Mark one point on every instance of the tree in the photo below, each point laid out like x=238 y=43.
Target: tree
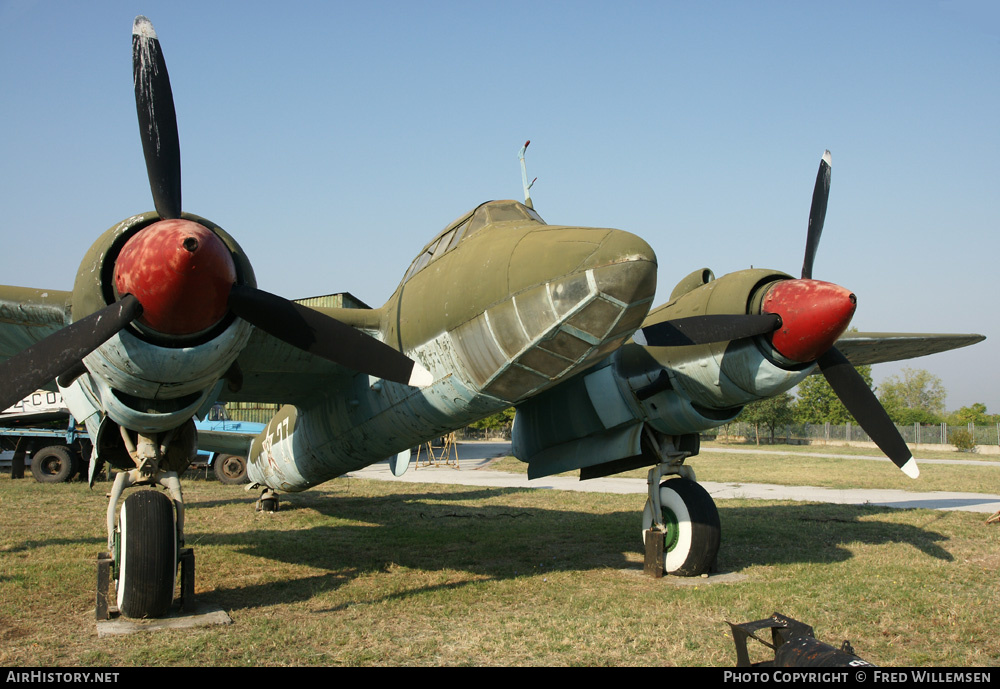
x=771 y=412
x=818 y=403
x=975 y=414
x=497 y=424
x=916 y=397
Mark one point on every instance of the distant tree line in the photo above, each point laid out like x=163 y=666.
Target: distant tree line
x=915 y=396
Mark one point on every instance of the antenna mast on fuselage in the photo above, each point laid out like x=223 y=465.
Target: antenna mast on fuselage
x=524 y=176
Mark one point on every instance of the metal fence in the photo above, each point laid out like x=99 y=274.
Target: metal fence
x=915 y=434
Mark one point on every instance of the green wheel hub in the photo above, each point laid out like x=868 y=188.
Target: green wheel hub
x=671 y=529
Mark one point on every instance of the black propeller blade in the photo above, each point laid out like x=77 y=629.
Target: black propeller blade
x=39 y=364
x=846 y=382
x=290 y=322
x=60 y=354
x=705 y=329
x=154 y=103
x=817 y=214
x=855 y=394
x=323 y=336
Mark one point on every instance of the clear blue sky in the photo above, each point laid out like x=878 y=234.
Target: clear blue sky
x=333 y=139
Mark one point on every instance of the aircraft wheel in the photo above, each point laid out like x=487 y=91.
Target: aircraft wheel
x=146 y=555
x=52 y=464
x=230 y=469
x=268 y=502
x=692 y=521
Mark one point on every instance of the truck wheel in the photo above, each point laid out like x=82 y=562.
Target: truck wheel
x=146 y=555
x=52 y=464
x=230 y=469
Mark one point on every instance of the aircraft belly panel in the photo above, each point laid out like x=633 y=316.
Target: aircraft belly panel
x=599 y=448
x=582 y=422
x=603 y=391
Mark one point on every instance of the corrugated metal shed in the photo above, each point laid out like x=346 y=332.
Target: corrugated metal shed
x=340 y=300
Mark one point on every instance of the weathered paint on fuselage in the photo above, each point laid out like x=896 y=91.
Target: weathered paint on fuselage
x=499 y=316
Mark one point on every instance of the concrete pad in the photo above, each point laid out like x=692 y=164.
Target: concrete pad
x=201 y=616
x=477 y=456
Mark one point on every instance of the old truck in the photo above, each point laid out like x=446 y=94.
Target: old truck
x=39 y=432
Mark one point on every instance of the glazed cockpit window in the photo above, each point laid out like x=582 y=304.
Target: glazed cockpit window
x=467 y=225
x=502 y=211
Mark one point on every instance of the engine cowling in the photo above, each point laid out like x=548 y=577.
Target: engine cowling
x=155 y=374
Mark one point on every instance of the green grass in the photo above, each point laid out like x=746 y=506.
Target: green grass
x=362 y=572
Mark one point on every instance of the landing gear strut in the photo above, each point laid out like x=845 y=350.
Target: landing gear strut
x=681 y=512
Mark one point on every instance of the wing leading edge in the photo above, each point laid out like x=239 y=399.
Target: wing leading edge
x=30 y=315
x=877 y=348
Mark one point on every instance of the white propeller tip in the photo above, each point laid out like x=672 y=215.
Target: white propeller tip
x=143 y=27
x=827 y=158
x=910 y=468
x=639 y=338
x=420 y=377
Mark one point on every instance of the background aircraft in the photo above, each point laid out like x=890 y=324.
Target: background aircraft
x=498 y=309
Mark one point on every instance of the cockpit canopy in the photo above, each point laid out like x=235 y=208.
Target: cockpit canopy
x=491 y=212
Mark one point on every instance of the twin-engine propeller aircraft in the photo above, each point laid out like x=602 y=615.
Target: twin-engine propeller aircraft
x=499 y=309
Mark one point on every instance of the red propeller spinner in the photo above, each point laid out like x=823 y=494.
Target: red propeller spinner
x=813 y=315
x=180 y=272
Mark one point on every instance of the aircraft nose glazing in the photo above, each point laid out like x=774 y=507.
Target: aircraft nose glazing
x=553 y=326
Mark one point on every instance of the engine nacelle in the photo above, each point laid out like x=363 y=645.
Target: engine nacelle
x=302 y=447
x=142 y=379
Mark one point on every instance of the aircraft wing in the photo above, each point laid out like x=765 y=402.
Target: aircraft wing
x=29 y=315
x=877 y=348
x=274 y=371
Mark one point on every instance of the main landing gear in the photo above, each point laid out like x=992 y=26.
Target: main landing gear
x=682 y=514
x=146 y=536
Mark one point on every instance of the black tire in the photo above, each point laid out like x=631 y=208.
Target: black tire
x=230 y=469
x=146 y=555
x=52 y=464
x=693 y=530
